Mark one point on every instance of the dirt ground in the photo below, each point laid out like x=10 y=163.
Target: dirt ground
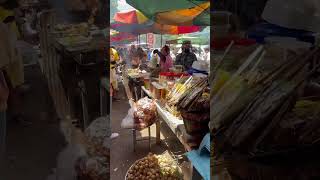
x=122 y=154
x=32 y=150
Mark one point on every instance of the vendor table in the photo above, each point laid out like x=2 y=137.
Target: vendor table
x=175 y=124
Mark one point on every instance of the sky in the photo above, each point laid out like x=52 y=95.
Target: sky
x=123 y=6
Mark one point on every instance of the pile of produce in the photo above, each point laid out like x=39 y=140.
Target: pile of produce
x=63 y=30
x=155 y=167
x=133 y=72
x=74 y=40
x=95 y=166
x=145 y=113
x=249 y=103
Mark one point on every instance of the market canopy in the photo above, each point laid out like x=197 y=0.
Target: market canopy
x=175 y=12
x=135 y=22
x=130 y=17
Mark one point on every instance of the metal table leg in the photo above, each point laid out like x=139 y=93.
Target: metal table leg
x=149 y=130
x=158 y=139
x=134 y=140
x=84 y=105
x=3 y=132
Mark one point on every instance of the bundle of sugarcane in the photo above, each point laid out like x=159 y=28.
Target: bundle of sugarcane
x=181 y=91
x=269 y=106
x=233 y=95
x=194 y=94
x=178 y=90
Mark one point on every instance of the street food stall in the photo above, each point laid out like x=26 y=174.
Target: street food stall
x=74 y=63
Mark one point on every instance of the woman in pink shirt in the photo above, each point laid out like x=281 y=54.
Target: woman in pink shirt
x=166 y=61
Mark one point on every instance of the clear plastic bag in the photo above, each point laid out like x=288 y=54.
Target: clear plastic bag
x=128 y=122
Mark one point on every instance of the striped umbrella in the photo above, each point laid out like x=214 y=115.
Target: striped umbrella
x=175 y=12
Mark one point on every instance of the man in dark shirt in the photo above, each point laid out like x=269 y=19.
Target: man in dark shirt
x=186 y=58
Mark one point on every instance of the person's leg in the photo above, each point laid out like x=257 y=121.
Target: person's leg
x=113 y=135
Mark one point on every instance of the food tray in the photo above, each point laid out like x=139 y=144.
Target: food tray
x=163 y=154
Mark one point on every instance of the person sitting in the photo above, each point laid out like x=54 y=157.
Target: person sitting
x=186 y=57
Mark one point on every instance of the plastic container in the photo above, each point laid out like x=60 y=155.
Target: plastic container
x=162 y=77
x=157 y=90
x=147 y=83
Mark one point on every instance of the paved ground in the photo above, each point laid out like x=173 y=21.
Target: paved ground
x=32 y=151
x=122 y=155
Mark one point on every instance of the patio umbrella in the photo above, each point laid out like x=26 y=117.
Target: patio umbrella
x=135 y=22
x=130 y=17
x=175 y=12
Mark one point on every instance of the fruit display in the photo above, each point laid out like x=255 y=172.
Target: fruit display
x=155 y=167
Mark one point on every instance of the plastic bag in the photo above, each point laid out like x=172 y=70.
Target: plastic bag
x=145 y=113
x=127 y=122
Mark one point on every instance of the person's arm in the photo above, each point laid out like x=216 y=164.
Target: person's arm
x=162 y=57
x=190 y=59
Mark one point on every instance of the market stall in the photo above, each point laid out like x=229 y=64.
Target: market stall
x=74 y=59
x=175 y=98
x=75 y=64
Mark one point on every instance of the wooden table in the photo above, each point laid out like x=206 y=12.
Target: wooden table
x=172 y=121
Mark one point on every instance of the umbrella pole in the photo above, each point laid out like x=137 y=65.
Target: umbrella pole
x=161 y=40
x=147 y=40
x=139 y=40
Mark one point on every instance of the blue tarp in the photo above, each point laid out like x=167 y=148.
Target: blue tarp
x=200 y=158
